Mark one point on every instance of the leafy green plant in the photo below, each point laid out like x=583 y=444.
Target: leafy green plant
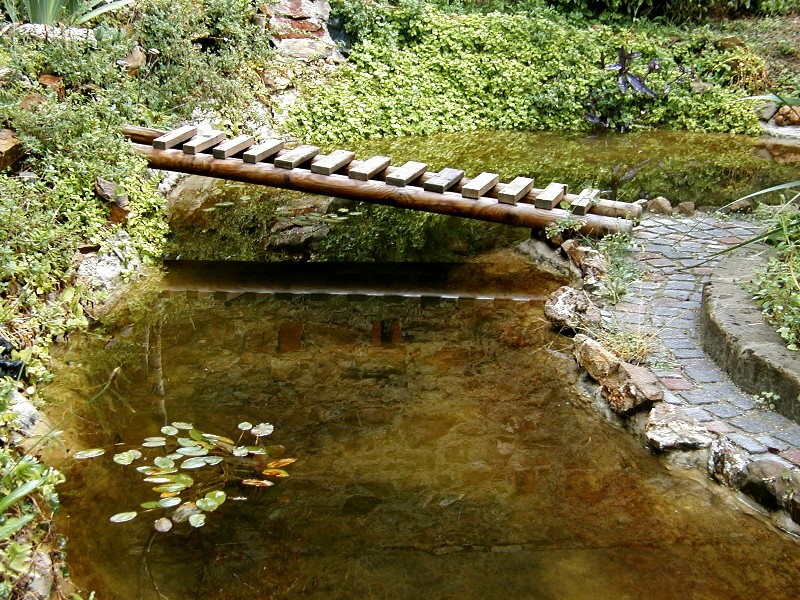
x=216 y=461
x=622 y=272
x=50 y=12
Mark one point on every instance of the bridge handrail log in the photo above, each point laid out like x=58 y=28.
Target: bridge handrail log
x=603 y=220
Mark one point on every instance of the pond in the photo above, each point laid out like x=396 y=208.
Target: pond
x=443 y=449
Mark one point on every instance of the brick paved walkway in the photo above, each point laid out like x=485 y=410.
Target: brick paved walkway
x=667 y=301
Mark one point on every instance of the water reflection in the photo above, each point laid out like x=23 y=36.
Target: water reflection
x=443 y=453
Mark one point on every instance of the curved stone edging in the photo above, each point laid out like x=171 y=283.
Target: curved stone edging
x=736 y=336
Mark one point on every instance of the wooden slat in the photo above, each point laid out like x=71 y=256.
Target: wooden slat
x=404 y=175
x=551 y=196
x=369 y=168
x=296 y=157
x=581 y=204
x=443 y=180
x=475 y=188
x=203 y=141
x=175 y=137
x=234 y=146
x=332 y=162
x=262 y=151
x=515 y=190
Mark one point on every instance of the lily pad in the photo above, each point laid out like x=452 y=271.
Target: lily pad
x=245 y=426
x=187 y=442
x=207 y=504
x=212 y=460
x=239 y=451
x=217 y=496
x=192 y=451
x=169 y=430
x=162 y=525
x=262 y=429
x=149 y=505
x=126 y=458
x=154 y=443
x=169 y=502
x=162 y=462
x=257 y=482
x=256 y=450
x=170 y=487
x=123 y=517
x=158 y=479
x=195 y=462
x=280 y=463
x=274 y=473
x=91 y=453
x=197 y=520
x=182 y=425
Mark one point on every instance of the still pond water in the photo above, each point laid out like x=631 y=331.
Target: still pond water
x=443 y=451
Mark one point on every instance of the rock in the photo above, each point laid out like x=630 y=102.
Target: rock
x=308 y=49
x=104 y=270
x=730 y=42
x=698 y=87
x=668 y=429
x=770 y=482
x=298 y=238
x=787 y=116
x=11 y=149
x=290 y=337
x=626 y=387
x=727 y=462
x=659 y=206
x=685 y=208
x=568 y=308
x=591 y=263
x=743 y=205
x=27 y=414
x=55 y=83
x=549 y=260
x=48 y=33
x=116 y=197
x=766 y=111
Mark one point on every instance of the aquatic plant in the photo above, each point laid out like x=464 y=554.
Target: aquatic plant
x=216 y=461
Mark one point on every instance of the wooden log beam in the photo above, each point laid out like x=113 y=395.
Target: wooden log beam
x=376 y=192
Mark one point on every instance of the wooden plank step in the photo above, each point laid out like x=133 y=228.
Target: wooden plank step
x=296 y=157
x=234 y=146
x=404 y=175
x=204 y=141
x=581 y=204
x=475 y=188
x=262 y=151
x=369 y=168
x=443 y=180
x=331 y=163
x=174 y=137
x=515 y=190
x=550 y=196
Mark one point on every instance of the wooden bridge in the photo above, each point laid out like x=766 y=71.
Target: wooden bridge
x=375 y=180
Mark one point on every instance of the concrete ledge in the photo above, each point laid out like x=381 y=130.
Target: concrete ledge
x=736 y=336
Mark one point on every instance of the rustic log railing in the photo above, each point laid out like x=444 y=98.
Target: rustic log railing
x=375 y=181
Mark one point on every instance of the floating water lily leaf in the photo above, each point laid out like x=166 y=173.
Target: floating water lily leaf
x=282 y=462
x=91 y=453
x=239 y=451
x=197 y=520
x=196 y=434
x=149 y=505
x=123 y=517
x=162 y=462
x=245 y=426
x=274 y=473
x=217 y=496
x=218 y=438
x=174 y=456
x=256 y=450
x=162 y=525
x=169 y=430
x=257 y=482
x=155 y=438
x=126 y=458
x=262 y=429
x=186 y=442
x=146 y=469
x=182 y=425
x=158 y=479
x=195 y=462
x=155 y=443
x=170 y=487
x=212 y=460
x=169 y=502
x=207 y=504
x=183 y=479
x=164 y=471
x=192 y=451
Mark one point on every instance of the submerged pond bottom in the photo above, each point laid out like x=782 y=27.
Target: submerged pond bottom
x=443 y=451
